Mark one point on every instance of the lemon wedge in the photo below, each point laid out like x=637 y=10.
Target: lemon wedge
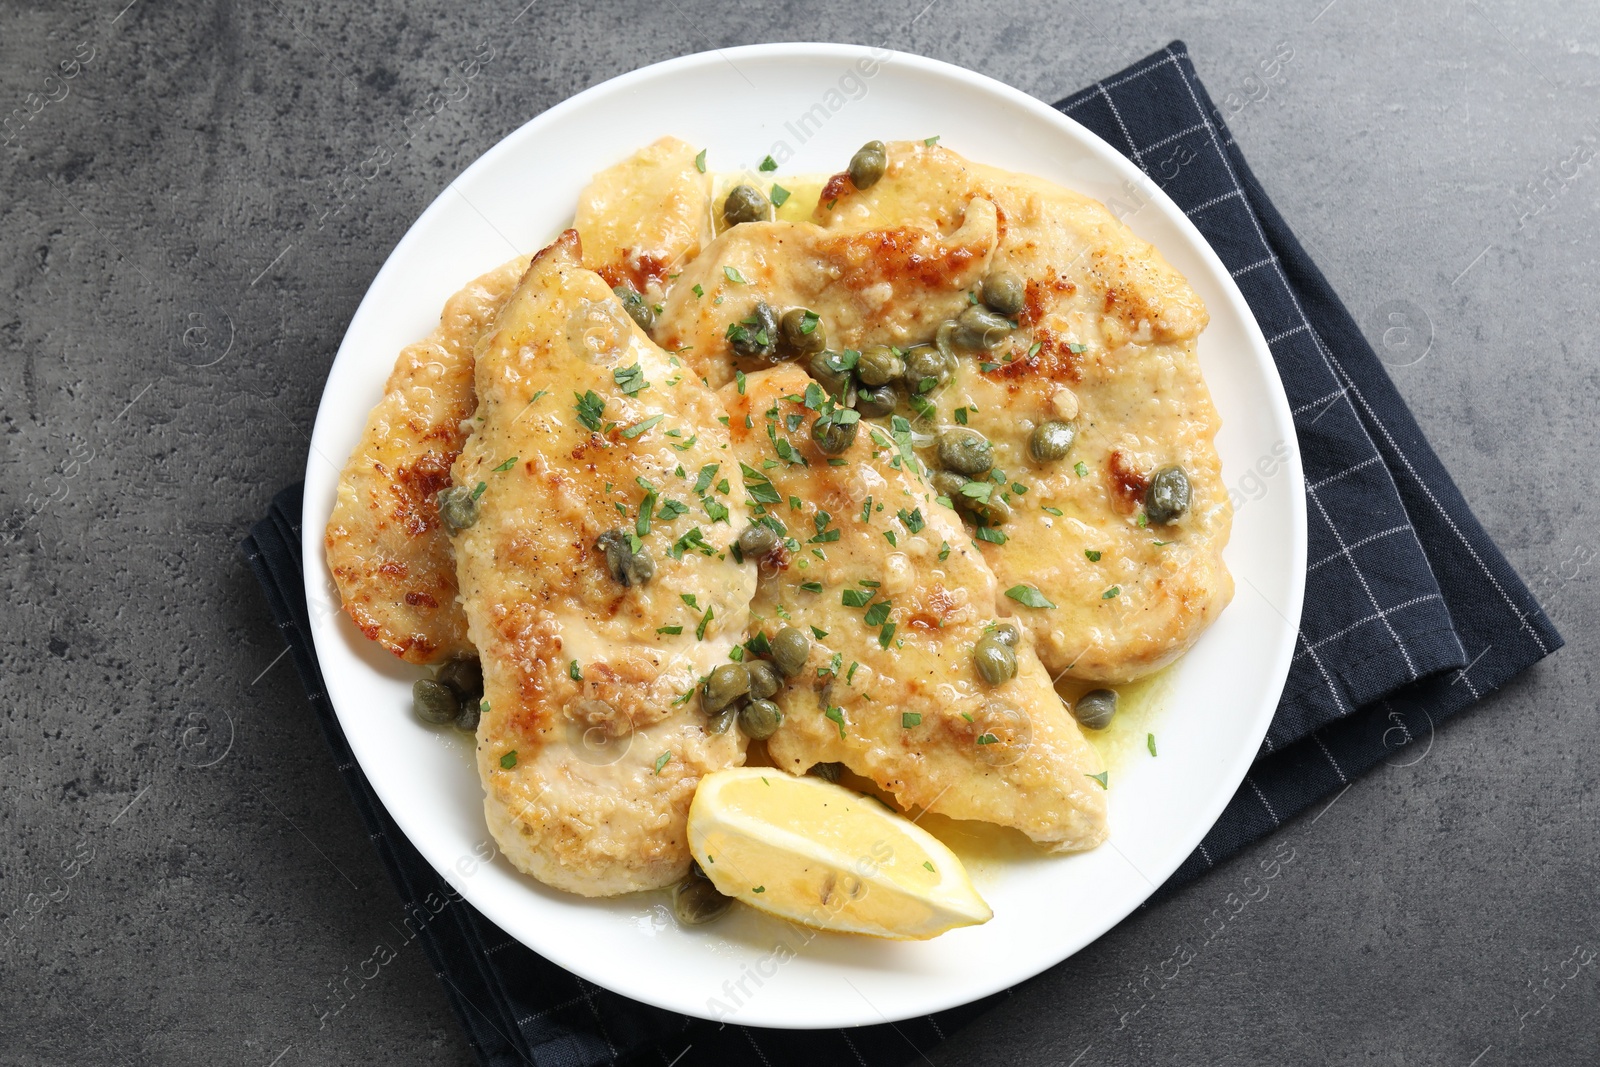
x=818 y=854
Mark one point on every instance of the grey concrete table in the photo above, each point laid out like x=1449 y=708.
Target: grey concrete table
x=190 y=215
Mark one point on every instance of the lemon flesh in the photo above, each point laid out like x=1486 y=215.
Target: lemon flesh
x=818 y=854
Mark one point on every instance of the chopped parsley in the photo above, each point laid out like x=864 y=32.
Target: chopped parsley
x=733 y=275
x=716 y=510
x=661 y=761
x=944 y=551
x=1112 y=592
x=779 y=195
x=1102 y=778
x=961 y=416
x=1083 y=471
x=1093 y=554
x=642 y=427
x=673 y=630
x=768 y=164
x=760 y=488
x=509 y=760
x=837 y=715
x=574 y=671
x=705 y=620
x=590 y=407
x=856 y=598
x=1150 y=743
x=707 y=473
x=1028 y=596
x=692 y=541
x=930 y=142
x=908 y=719
x=700 y=161
x=811 y=587
x=630 y=379
x=886 y=635
x=1048 y=510
x=913 y=520
x=507 y=465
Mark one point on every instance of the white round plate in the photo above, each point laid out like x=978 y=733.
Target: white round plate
x=821 y=102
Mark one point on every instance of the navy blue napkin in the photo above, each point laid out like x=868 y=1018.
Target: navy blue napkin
x=1411 y=614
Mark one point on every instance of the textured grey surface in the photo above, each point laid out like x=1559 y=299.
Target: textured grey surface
x=188 y=223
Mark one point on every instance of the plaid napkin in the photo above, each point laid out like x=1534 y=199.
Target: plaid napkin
x=1411 y=614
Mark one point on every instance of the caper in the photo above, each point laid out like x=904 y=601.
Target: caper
x=458 y=507
x=965 y=452
x=634 y=304
x=434 y=701
x=879 y=364
x=723 y=686
x=1095 y=708
x=757 y=540
x=1004 y=292
x=1051 y=440
x=695 y=901
x=1007 y=634
x=944 y=340
x=879 y=400
x=868 y=164
x=467 y=718
x=801 y=332
x=790 y=650
x=764 y=679
x=927 y=368
x=979 y=328
x=834 y=438
x=756 y=335
x=948 y=483
x=464 y=676
x=825 y=370
x=1168 y=495
x=745 y=204
x=759 y=719
x=723 y=720
x=995 y=661
x=828 y=772
x=626 y=566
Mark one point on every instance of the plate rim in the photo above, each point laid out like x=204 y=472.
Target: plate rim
x=313 y=520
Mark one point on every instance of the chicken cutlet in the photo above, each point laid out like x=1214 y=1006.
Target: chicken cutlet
x=886 y=580
x=1095 y=393
x=597 y=498
x=890 y=285
x=389 y=555
x=644 y=218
